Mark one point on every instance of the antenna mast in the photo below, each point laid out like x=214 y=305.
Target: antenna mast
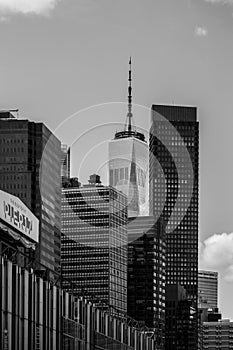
x=130 y=114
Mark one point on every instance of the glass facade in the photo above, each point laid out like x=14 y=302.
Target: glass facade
x=94 y=244
x=180 y=311
x=30 y=169
x=146 y=275
x=128 y=169
x=173 y=192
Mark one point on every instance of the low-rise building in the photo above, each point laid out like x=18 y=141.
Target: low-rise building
x=218 y=335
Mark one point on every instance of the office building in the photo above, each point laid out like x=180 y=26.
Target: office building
x=128 y=162
x=30 y=170
x=146 y=275
x=207 y=301
x=173 y=190
x=218 y=335
x=208 y=289
x=94 y=243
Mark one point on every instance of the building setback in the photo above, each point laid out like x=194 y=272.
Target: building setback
x=173 y=191
x=146 y=275
x=94 y=243
x=30 y=169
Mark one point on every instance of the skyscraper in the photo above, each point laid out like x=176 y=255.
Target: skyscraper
x=208 y=288
x=94 y=243
x=173 y=190
x=146 y=275
x=30 y=170
x=128 y=162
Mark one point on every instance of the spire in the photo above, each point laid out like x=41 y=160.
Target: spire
x=129 y=114
x=129 y=130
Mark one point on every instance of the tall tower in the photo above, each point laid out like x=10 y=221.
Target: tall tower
x=173 y=189
x=128 y=161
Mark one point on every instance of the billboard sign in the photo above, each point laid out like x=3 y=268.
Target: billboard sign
x=16 y=214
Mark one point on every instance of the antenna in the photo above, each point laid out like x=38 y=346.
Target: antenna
x=130 y=115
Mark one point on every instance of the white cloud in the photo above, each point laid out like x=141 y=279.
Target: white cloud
x=38 y=7
x=201 y=31
x=217 y=254
x=223 y=2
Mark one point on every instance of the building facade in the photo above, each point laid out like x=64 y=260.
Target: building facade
x=208 y=289
x=94 y=243
x=128 y=166
x=30 y=170
x=37 y=314
x=180 y=319
x=146 y=275
x=218 y=335
x=173 y=190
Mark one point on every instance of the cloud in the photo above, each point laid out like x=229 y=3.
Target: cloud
x=217 y=253
x=201 y=31
x=4 y=19
x=221 y=2
x=25 y=7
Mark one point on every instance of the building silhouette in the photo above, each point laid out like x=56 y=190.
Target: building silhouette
x=30 y=169
x=146 y=275
x=173 y=192
x=128 y=162
x=94 y=243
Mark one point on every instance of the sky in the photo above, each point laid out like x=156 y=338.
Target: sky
x=65 y=63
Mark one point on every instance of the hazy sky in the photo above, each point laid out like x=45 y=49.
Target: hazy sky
x=59 y=57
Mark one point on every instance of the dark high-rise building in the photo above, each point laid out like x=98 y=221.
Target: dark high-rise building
x=94 y=243
x=173 y=192
x=30 y=170
x=208 y=289
x=65 y=164
x=146 y=275
x=180 y=319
